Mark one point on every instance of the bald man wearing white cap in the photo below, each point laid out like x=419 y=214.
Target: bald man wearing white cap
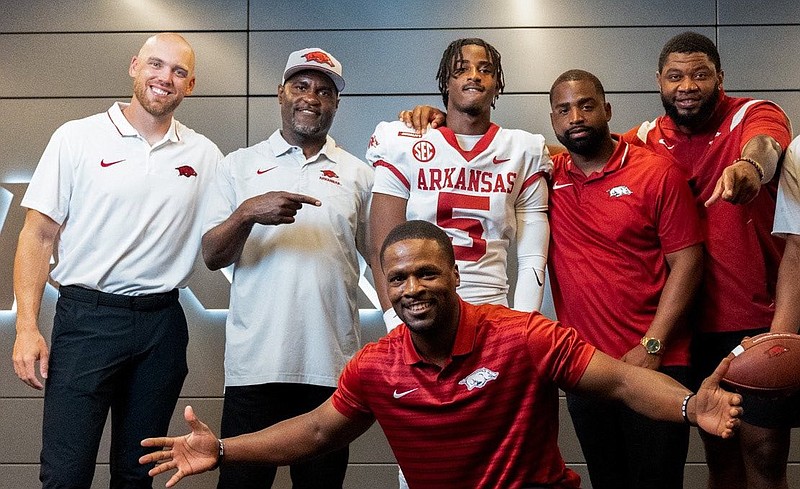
x=289 y=214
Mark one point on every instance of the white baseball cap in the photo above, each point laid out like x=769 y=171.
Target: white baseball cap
x=314 y=59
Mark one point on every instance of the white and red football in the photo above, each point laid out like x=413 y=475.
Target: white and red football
x=767 y=364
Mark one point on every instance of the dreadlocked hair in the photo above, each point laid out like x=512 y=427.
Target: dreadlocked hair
x=452 y=56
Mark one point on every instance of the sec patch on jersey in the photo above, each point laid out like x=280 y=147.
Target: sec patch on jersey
x=767 y=365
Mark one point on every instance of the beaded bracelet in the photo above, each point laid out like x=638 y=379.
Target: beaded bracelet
x=755 y=164
x=684 y=408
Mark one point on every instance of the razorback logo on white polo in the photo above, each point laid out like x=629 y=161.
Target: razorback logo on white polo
x=478 y=379
x=619 y=191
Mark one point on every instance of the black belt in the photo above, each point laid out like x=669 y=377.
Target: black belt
x=147 y=302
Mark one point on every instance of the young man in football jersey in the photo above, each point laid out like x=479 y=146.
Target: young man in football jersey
x=477 y=181
x=729 y=148
x=623 y=217
x=467 y=395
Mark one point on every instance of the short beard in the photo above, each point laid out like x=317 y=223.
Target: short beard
x=698 y=118
x=588 y=146
x=154 y=109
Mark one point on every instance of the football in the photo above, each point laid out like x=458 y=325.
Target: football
x=767 y=365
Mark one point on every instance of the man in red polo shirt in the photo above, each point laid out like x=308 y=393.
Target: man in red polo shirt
x=466 y=395
x=729 y=148
x=625 y=261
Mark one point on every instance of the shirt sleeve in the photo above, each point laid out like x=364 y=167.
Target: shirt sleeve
x=221 y=200
x=766 y=118
x=50 y=188
x=787 y=208
x=348 y=397
x=391 y=178
x=557 y=350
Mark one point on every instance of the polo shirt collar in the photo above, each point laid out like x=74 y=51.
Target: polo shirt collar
x=125 y=128
x=464 y=342
x=280 y=146
x=618 y=159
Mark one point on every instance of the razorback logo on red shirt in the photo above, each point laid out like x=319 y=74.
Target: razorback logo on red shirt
x=319 y=57
x=478 y=379
x=186 y=171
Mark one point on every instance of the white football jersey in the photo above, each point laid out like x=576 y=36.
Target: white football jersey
x=476 y=196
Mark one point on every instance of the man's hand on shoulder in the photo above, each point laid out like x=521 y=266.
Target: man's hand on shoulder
x=422 y=115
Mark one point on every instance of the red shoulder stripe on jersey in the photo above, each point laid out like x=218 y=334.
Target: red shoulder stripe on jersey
x=479 y=148
x=531 y=179
x=394 y=170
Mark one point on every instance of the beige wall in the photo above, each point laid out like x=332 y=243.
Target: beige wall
x=68 y=59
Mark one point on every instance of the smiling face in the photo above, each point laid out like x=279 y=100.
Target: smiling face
x=163 y=73
x=422 y=285
x=308 y=104
x=690 y=88
x=580 y=116
x=472 y=87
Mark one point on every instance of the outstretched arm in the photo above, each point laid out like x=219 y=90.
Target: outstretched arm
x=660 y=397
x=296 y=439
x=223 y=244
x=741 y=181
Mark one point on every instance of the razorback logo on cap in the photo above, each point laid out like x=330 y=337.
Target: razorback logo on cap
x=319 y=57
x=186 y=171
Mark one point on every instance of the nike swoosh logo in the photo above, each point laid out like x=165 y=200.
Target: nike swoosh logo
x=557 y=186
x=661 y=141
x=261 y=172
x=398 y=395
x=497 y=160
x=104 y=164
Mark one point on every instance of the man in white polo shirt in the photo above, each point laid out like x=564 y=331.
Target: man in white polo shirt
x=289 y=214
x=119 y=192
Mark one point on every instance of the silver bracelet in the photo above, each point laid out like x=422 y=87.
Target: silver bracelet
x=220 y=453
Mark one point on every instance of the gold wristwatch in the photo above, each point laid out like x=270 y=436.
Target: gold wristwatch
x=652 y=346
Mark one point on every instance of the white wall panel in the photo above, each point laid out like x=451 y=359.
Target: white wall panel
x=404 y=62
x=68 y=59
x=119 y=15
x=760 y=57
x=83 y=65
x=441 y=14
x=761 y=12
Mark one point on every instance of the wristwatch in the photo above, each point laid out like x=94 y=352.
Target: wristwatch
x=652 y=346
